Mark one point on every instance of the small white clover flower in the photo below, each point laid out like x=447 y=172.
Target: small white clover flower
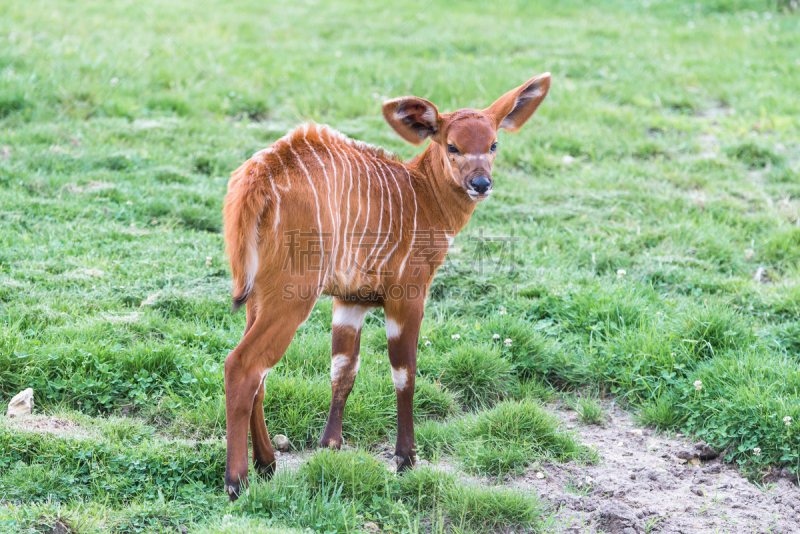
x=757 y=451
x=508 y=341
x=787 y=420
x=503 y=310
x=456 y=336
x=208 y=260
x=621 y=274
x=698 y=385
x=427 y=343
x=378 y=361
x=496 y=336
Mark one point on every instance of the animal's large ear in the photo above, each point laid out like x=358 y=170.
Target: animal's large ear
x=414 y=119
x=514 y=108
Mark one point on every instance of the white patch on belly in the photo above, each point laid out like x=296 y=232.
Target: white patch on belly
x=352 y=316
x=393 y=329
x=399 y=377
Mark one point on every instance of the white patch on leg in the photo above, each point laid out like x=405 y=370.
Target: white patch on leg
x=352 y=316
x=264 y=375
x=393 y=329
x=399 y=377
x=338 y=363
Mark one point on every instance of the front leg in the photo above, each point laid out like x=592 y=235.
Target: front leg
x=345 y=343
x=402 y=333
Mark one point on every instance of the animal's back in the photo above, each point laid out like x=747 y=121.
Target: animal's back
x=338 y=212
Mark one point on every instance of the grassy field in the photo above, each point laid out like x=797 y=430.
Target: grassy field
x=644 y=235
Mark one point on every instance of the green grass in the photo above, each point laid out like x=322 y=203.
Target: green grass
x=588 y=408
x=119 y=124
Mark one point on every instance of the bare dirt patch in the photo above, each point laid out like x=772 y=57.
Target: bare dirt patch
x=48 y=425
x=643 y=484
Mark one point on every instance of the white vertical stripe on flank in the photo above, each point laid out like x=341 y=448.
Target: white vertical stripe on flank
x=285 y=170
x=352 y=260
x=334 y=226
x=341 y=153
x=338 y=224
x=277 y=201
x=320 y=281
x=399 y=237
x=391 y=212
x=347 y=248
x=366 y=220
x=380 y=227
x=414 y=232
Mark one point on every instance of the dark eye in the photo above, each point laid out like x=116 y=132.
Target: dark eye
x=452 y=149
x=494 y=147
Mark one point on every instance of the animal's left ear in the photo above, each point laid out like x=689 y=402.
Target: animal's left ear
x=514 y=108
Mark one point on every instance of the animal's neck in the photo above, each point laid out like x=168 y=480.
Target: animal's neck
x=448 y=207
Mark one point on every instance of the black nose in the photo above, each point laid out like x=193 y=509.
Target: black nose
x=480 y=185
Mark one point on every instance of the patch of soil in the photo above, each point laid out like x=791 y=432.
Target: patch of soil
x=48 y=425
x=652 y=483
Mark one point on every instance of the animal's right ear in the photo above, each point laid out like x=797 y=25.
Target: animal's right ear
x=414 y=119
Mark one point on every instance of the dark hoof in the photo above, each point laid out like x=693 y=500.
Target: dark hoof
x=404 y=464
x=232 y=490
x=263 y=469
x=235 y=486
x=330 y=443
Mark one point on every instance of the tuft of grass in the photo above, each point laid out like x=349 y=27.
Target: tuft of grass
x=492 y=508
x=478 y=374
x=715 y=328
x=661 y=413
x=588 y=408
x=288 y=499
x=357 y=474
x=753 y=155
x=510 y=436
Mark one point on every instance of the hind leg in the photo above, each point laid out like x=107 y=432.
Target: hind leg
x=246 y=367
x=263 y=453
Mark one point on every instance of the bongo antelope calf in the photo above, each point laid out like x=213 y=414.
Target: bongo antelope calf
x=318 y=213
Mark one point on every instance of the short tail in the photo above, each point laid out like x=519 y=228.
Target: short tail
x=244 y=205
